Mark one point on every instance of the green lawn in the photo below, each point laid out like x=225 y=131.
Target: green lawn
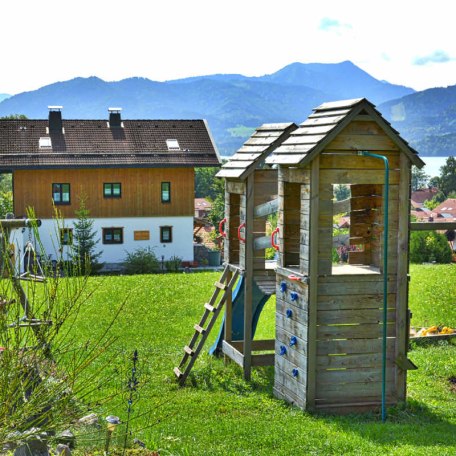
x=218 y=413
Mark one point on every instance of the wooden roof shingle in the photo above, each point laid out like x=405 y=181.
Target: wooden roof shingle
x=324 y=124
x=255 y=150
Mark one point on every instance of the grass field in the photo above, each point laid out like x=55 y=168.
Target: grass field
x=218 y=413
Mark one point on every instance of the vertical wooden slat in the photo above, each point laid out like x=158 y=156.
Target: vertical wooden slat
x=228 y=313
x=248 y=287
x=313 y=283
x=402 y=277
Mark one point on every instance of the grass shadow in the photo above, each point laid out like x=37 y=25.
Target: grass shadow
x=413 y=423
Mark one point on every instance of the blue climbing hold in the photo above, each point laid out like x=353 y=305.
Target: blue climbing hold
x=283 y=286
x=293 y=341
x=295 y=372
x=283 y=350
x=289 y=313
x=294 y=296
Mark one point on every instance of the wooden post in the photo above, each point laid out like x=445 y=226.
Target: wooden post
x=228 y=314
x=248 y=276
x=402 y=328
x=313 y=284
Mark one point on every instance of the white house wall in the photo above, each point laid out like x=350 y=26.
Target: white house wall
x=181 y=245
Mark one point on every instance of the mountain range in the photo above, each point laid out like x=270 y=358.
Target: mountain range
x=234 y=104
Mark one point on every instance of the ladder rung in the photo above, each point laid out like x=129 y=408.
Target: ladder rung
x=178 y=372
x=209 y=307
x=222 y=286
x=188 y=350
x=200 y=329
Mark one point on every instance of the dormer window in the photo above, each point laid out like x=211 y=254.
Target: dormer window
x=45 y=143
x=172 y=144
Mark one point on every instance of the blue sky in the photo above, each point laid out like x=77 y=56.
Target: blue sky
x=404 y=42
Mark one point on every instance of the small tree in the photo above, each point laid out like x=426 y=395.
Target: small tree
x=84 y=255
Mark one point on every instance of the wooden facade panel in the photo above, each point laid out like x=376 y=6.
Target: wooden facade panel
x=372 y=284
x=235 y=187
x=352 y=392
x=294 y=175
x=283 y=393
x=140 y=191
x=293 y=356
x=354 y=176
x=355 y=331
x=357 y=360
x=330 y=317
x=296 y=382
x=371 y=143
x=292 y=325
x=346 y=302
x=361 y=375
x=285 y=337
x=339 y=161
x=354 y=346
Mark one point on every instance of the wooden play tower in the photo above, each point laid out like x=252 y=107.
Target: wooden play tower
x=341 y=329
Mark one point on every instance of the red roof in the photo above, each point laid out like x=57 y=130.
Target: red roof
x=420 y=196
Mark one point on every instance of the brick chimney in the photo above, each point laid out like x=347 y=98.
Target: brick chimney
x=114 y=117
x=55 y=119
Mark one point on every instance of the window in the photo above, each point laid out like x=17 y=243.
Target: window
x=45 y=143
x=112 y=190
x=166 y=234
x=61 y=193
x=66 y=236
x=166 y=192
x=112 y=235
x=172 y=144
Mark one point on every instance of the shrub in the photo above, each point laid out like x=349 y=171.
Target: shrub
x=429 y=246
x=173 y=264
x=141 y=261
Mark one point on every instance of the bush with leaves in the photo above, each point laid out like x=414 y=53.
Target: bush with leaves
x=141 y=261
x=173 y=264
x=44 y=374
x=429 y=246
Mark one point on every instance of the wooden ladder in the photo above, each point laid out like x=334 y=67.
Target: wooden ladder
x=212 y=309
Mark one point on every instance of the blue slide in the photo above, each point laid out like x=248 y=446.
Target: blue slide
x=259 y=299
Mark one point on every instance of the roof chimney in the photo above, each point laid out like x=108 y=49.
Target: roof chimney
x=55 y=119
x=114 y=117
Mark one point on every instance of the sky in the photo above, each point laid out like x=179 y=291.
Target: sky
x=407 y=42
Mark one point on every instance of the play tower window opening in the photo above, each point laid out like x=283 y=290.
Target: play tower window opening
x=357 y=230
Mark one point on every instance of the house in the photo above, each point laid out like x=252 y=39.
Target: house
x=136 y=177
x=447 y=209
x=202 y=207
x=418 y=197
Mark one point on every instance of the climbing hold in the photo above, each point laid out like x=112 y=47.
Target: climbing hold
x=289 y=313
x=283 y=350
x=294 y=296
x=295 y=372
x=283 y=286
x=294 y=277
x=293 y=341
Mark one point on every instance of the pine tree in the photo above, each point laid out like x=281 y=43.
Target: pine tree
x=84 y=255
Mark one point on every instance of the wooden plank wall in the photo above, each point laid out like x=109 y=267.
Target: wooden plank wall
x=291 y=321
x=349 y=340
x=141 y=191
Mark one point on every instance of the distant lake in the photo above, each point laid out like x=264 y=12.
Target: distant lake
x=433 y=164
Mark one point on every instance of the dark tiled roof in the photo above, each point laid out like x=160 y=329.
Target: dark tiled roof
x=91 y=143
x=324 y=124
x=256 y=149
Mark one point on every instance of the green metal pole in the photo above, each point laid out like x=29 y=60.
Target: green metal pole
x=385 y=273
